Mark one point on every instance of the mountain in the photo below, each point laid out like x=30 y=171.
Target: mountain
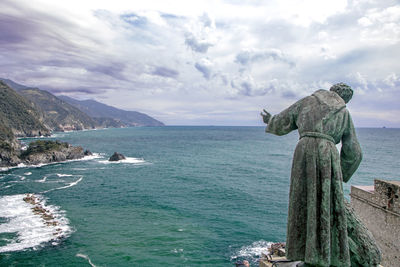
x=64 y=113
x=18 y=115
x=99 y=110
x=14 y=85
x=58 y=114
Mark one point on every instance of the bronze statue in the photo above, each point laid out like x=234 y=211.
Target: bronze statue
x=322 y=230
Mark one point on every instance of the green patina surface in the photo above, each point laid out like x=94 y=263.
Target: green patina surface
x=322 y=230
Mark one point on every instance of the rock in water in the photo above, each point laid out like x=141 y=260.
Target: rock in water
x=116 y=157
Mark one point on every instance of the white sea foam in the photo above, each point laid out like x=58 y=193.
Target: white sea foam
x=128 y=160
x=86 y=257
x=42 y=180
x=66 y=186
x=57 y=135
x=31 y=229
x=253 y=251
x=22 y=165
x=64 y=175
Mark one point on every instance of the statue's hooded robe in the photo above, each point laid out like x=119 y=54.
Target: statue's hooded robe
x=317 y=226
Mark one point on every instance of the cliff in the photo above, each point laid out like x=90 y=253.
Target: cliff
x=18 y=116
x=50 y=151
x=96 y=110
x=58 y=115
x=61 y=113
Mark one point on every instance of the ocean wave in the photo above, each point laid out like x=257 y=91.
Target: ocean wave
x=64 y=175
x=128 y=160
x=86 y=257
x=22 y=165
x=42 y=180
x=252 y=252
x=57 y=135
x=34 y=223
x=255 y=249
x=65 y=186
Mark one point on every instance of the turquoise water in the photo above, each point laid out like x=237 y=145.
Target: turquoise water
x=186 y=196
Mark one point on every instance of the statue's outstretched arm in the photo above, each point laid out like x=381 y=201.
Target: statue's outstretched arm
x=266 y=116
x=284 y=122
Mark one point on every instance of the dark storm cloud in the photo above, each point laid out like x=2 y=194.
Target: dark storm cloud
x=165 y=72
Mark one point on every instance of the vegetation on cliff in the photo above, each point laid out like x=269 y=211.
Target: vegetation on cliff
x=41 y=146
x=58 y=114
x=30 y=112
x=96 y=110
x=46 y=151
x=18 y=116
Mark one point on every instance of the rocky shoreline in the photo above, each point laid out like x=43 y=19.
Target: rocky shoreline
x=41 y=152
x=49 y=219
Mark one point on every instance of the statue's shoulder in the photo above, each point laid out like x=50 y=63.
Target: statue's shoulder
x=322 y=92
x=329 y=98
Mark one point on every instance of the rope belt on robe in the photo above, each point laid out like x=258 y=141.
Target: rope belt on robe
x=317 y=135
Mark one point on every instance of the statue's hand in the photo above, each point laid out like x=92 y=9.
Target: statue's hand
x=265 y=115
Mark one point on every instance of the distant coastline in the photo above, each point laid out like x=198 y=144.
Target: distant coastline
x=27 y=112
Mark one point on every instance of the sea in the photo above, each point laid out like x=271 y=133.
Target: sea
x=184 y=196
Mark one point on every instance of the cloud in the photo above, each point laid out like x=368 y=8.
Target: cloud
x=165 y=72
x=246 y=85
x=199 y=35
x=392 y=80
x=249 y=56
x=381 y=25
x=205 y=67
x=134 y=19
x=246 y=52
x=197 y=45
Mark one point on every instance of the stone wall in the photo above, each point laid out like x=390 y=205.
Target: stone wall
x=378 y=207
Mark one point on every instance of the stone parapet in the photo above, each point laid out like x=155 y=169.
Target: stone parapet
x=378 y=207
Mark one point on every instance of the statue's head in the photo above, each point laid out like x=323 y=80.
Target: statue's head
x=343 y=90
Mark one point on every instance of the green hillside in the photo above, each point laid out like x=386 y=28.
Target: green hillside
x=96 y=109
x=18 y=115
x=58 y=114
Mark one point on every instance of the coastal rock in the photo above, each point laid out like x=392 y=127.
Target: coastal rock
x=116 y=157
x=40 y=152
x=8 y=157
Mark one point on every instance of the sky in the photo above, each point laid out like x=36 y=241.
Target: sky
x=208 y=62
